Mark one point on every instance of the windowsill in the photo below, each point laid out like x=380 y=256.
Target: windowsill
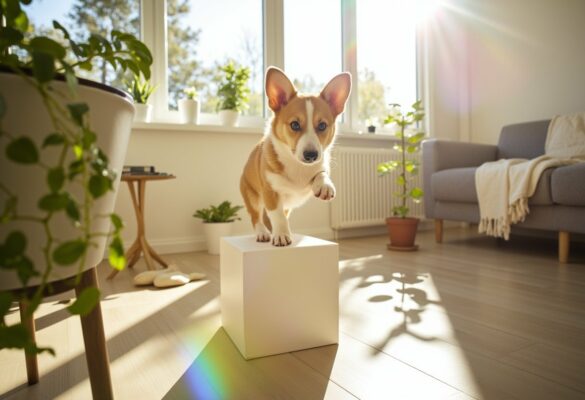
x=253 y=130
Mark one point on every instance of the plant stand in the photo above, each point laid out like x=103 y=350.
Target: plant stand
x=96 y=351
x=140 y=245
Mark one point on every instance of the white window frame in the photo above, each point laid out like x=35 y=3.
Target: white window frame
x=154 y=34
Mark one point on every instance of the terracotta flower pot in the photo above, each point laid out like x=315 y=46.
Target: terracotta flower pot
x=402 y=233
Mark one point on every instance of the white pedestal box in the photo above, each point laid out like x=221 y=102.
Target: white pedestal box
x=279 y=299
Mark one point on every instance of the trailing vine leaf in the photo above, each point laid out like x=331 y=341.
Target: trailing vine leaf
x=116 y=254
x=5 y=303
x=69 y=252
x=85 y=302
x=56 y=178
x=99 y=185
x=53 y=139
x=22 y=150
x=53 y=202
x=78 y=110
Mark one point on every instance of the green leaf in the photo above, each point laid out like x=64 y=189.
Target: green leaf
x=116 y=254
x=14 y=245
x=117 y=222
x=69 y=252
x=99 y=185
x=85 y=302
x=53 y=202
x=411 y=149
x=22 y=150
x=60 y=27
x=43 y=66
x=401 y=181
x=25 y=269
x=416 y=193
x=88 y=138
x=72 y=210
x=56 y=178
x=9 y=210
x=9 y=36
x=77 y=111
x=75 y=168
x=416 y=138
x=17 y=337
x=21 y=22
x=49 y=46
x=5 y=303
x=53 y=139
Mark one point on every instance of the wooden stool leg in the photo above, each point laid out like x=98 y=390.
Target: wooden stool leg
x=439 y=230
x=32 y=367
x=564 y=244
x=96 y=352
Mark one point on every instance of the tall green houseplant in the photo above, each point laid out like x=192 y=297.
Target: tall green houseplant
x=37 y=61
x=409 y=134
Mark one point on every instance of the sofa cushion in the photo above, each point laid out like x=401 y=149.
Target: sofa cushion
x=568 y=185
x=458 y=185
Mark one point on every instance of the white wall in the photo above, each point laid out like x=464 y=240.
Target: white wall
x=526 y=62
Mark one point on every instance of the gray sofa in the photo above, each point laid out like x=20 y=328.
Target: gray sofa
x=449 y=183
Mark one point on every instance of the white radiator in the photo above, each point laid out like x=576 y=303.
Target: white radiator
x=363 y=197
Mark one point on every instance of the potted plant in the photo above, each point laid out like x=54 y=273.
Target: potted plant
x=189 y=107
x=62 y=141
x=401 y=228
x=233 y=93
x=141 y=89
x=218 y=222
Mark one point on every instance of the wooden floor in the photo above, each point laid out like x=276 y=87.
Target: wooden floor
x=471 y=318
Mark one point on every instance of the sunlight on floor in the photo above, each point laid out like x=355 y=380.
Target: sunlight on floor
x=400 y=314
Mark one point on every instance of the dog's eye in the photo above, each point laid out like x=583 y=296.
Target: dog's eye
x=322 y=126
x=295 y=126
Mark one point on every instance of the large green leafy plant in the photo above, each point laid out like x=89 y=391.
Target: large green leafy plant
x=409 y=134
x=225 y=212
x=37 y=61
x=233 y=91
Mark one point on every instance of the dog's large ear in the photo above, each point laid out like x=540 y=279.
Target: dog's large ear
x=279 y=89
x=336 y=92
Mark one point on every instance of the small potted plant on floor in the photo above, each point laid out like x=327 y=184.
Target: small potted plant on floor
x=218 y=221
x=141 y=89
x=189 y=106
x=401 y=228
x=233 y=93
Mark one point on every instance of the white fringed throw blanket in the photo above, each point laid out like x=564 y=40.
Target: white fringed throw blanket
x=504 y=186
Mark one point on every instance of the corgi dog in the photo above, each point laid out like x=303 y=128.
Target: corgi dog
x=291 y=163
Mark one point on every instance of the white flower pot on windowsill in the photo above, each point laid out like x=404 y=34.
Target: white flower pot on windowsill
x=229 y=117
x=214 y=231
x=143 y=112
x=189 y=110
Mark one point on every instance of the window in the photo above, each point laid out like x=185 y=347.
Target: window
x=312 y=42
x=82 y=17
x=386 y=57
x=203 y=35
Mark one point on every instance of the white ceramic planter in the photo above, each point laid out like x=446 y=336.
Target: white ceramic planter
x=110 y=117
x=214 y=231
x=229 y=117
x=189 y=110
x=143 y=112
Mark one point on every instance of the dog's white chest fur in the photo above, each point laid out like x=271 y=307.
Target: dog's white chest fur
x=294 y=185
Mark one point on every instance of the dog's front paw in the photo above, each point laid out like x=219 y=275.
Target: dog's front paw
x=325 y=191
x=281 y=239
x=262 y=234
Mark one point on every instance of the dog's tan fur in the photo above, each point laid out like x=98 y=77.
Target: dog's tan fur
x=276 y=179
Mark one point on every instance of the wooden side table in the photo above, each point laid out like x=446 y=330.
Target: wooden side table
x=140 y=245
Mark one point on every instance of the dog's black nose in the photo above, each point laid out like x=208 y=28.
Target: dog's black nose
x=310 y=155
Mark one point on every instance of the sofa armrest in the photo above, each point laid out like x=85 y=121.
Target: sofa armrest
x=438 y=155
